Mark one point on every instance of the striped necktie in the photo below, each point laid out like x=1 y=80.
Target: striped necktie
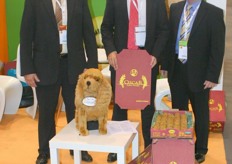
x=58 y=13
x=133 y=22
x=185 y=27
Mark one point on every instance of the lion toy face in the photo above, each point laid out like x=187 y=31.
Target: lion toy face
x=92 y=98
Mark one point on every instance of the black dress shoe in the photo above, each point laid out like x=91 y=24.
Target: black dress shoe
x=112 y=157
x=200 y=157
x=71 y=152
x=85 y=156
x=42 y=158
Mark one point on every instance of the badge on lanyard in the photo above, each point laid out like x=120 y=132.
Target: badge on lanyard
x=140 y=36
x=63 y=34
x=183 y=50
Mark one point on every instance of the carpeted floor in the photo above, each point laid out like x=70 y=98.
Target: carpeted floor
x=18 y=141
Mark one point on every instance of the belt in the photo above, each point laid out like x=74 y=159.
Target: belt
x=63 y=56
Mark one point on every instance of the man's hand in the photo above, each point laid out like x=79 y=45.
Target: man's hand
x=31 y=79
x=209 y=84
x=153 y=61
x=112 y=58
x=164 y=73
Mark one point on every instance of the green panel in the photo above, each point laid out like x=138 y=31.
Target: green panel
x=97 y=7
x=14 y=9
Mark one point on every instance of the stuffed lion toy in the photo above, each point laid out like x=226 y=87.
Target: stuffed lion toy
x=92 y=98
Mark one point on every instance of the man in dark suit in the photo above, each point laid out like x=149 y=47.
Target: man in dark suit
x=194 y=63
x=53 y=39
x=115 y=28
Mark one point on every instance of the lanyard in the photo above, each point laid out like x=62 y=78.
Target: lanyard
x=141 y=8
x=62 y=7
x=64 y=13
x=187 y=23
x=136 y=5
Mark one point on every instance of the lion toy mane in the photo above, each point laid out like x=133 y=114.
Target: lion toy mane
x=92 y=98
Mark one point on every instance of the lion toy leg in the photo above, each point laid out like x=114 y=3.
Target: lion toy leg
x=102 y=125
x=76 y=119
x=82 y=123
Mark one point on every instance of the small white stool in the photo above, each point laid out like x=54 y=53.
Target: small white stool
x=10 y=95
x=68 y=138
x=162 y=90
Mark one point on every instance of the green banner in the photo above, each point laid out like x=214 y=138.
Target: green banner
x=14 y=10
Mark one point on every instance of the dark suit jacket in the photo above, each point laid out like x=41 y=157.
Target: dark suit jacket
x=205 y=45
x=39 y=40
x=115 y=22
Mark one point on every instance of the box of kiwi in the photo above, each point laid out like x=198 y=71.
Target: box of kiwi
x=172 y=124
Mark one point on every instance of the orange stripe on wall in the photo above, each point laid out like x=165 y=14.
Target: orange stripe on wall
x=3 y=32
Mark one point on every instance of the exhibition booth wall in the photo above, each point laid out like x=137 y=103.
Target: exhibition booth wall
x=3 y=40
x=11 y=13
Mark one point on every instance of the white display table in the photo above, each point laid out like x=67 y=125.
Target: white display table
x=68 y=138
